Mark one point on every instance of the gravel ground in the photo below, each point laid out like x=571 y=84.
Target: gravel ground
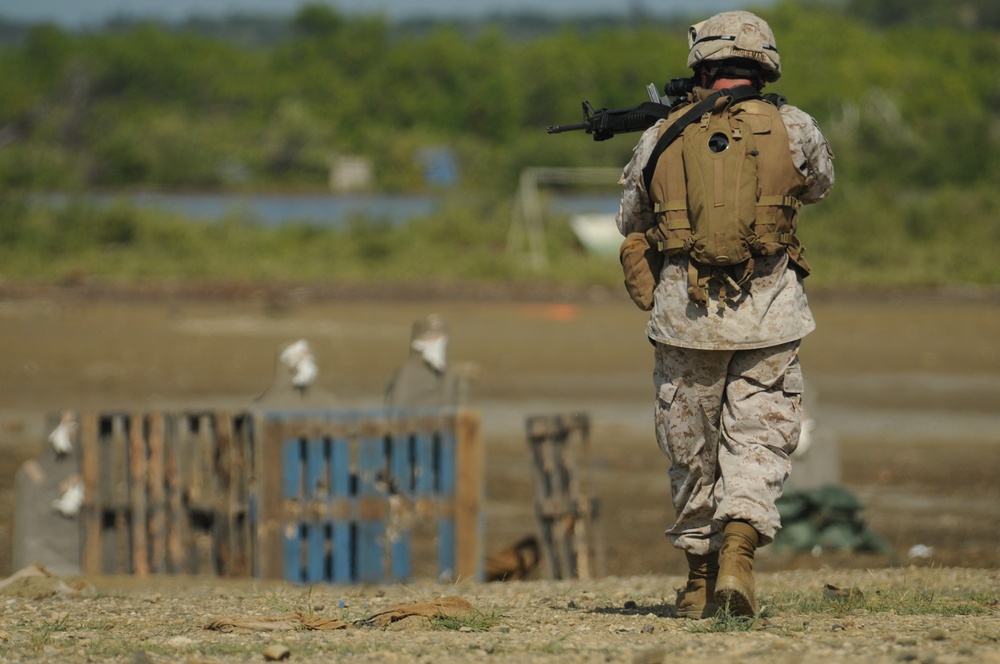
x=896 y=615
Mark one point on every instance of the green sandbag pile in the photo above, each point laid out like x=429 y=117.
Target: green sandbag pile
x=827 y=518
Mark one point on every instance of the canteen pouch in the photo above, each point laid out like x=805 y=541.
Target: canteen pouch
x=641 y=264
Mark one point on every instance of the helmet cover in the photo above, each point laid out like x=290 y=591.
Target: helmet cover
x=735 y=35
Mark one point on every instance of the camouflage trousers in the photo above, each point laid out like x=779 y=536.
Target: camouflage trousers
x=728 y=421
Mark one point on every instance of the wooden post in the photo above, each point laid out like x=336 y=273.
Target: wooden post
x=176 y=517
x=566 y=516
x=270 y=534
x=468 y=497
x=92 y=505
x=137 y=494
x=157 y=494
x=222 y=506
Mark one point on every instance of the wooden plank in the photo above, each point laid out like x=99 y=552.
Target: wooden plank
x=238 y=498
x=469 y=497
x=270 y=527
x=251 y=468
x=370 y=552
x=315 y=496
x=117 y=556
x=398 y=530
x=137 y=494
x=343 y=568
x=157 y=494
x=293 y=471
x=176 y=516
x=222 y=471
x=93 y=507
x=444 y=462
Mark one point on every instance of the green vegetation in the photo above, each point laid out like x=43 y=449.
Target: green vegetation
x=899 y=601
x=907 y=99
x=917 y=601
x=471 y=621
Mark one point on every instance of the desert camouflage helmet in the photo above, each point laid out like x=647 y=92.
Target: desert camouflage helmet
x=734 y=35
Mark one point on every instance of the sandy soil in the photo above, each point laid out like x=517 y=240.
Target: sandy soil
x=904 y=387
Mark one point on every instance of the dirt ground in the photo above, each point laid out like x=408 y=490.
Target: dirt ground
x=903 y=387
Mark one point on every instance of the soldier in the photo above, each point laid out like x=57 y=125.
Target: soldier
x=726 y=324
x=425 y=380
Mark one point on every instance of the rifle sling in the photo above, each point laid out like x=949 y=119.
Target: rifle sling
x=738 y=94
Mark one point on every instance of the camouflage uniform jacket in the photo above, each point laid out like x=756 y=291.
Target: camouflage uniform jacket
x=774 y=309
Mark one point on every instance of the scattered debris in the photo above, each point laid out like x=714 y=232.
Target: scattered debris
x=285 y=622
x=277 y=653
x=442 y=607
x=37 y=582
x=515 y=562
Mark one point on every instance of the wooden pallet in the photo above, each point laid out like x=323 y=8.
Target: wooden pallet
x=566 y=512
x=338 y=496
x=166 y=493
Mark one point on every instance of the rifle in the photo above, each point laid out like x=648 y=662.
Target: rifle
x=606 y=123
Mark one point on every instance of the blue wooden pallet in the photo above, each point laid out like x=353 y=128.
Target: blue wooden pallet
x=340 y=484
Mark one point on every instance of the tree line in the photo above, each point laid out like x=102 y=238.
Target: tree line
x=150 y=106
x=906 y=93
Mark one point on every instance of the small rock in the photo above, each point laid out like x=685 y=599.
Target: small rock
x=630 y=604
x=937 y=634
x=647 y=629
x=277 y=653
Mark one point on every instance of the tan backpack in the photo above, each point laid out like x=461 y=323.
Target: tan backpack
x=709 y=202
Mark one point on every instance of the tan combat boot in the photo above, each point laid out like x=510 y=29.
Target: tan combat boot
x=734 y=590
x=697 y=600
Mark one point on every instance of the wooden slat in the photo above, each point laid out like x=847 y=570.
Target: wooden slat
x=469 y=497
x=118 y=555
x=92 y=508
x=137 y=494
x=222 y=479
x=270 y=528
x=156 y=470
x=176 y=518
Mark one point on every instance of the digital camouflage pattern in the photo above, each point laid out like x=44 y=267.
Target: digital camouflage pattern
x=728 y=422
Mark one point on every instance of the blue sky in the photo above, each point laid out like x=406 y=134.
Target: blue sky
x=82 y=13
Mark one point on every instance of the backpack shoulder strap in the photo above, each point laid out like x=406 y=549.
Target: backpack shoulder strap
x=738 y=94
x=776 y=99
